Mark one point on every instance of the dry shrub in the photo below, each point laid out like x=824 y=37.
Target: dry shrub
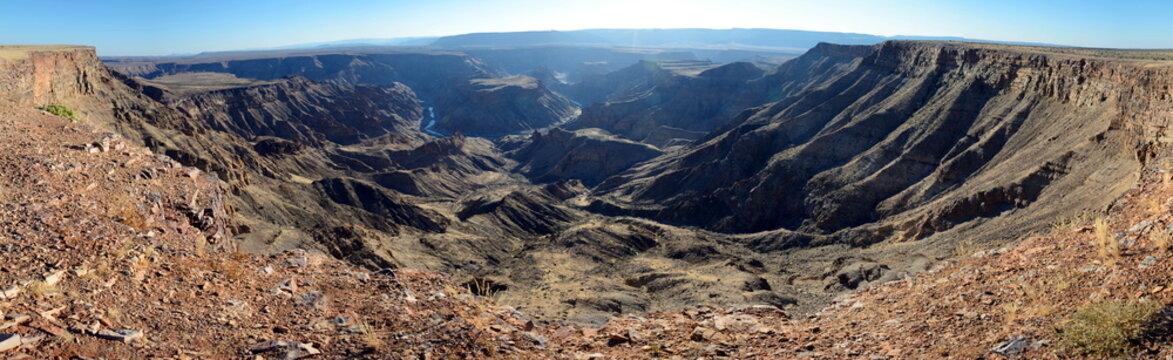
x=42 y=289
x=121 y=207
x=1114 y=328
x=231 y=269
x=1161 y=239
x=114 y=315
x=965 y=248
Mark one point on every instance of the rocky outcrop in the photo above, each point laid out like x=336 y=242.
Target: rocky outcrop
x=904 y=140
x=494 y=107
x=589 y=155
x=308 y=112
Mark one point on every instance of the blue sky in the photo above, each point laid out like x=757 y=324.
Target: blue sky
x=125 y=27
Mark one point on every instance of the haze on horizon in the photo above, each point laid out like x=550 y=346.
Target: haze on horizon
x=136 y=27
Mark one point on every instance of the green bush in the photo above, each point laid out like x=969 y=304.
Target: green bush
x=1114 y=328
x=59 y=110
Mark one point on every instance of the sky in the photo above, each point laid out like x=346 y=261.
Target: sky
x=134 y=27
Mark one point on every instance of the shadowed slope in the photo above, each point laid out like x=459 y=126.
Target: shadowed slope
x=906 y=140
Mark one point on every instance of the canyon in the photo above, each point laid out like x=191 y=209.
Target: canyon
x=601 y=201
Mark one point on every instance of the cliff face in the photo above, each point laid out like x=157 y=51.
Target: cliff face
x=466 y=95
x=73 y=76
x=663 y=108
x=501 y=106
x=908 y=139
x=45 y=74
x=308 y=112
x=425 y=73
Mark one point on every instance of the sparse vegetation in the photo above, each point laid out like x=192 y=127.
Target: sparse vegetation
x=145 y=261
x=965 y=248
x=1010 y=315
x=123 y=249
x=59 y=110
x=1114 y=328
x=1109 y=248
x=483 y=287
x=233 y=270
x=1071 y=223
x=67 y=337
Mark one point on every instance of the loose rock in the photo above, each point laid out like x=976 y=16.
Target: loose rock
x=288 y=350
x=1013 y=347
x=10 y=292
x=123 y=335
x=9 y=342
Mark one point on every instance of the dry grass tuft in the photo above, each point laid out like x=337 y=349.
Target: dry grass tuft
x=1072 y=223
x=145 y=261
x=114 y=315
x=370 y=335
x=1109 y=248
x=1162 y=239
x=42 y=289
x=201 y=246
x=123 y=249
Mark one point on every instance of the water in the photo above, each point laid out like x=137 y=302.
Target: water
x=431 y=122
